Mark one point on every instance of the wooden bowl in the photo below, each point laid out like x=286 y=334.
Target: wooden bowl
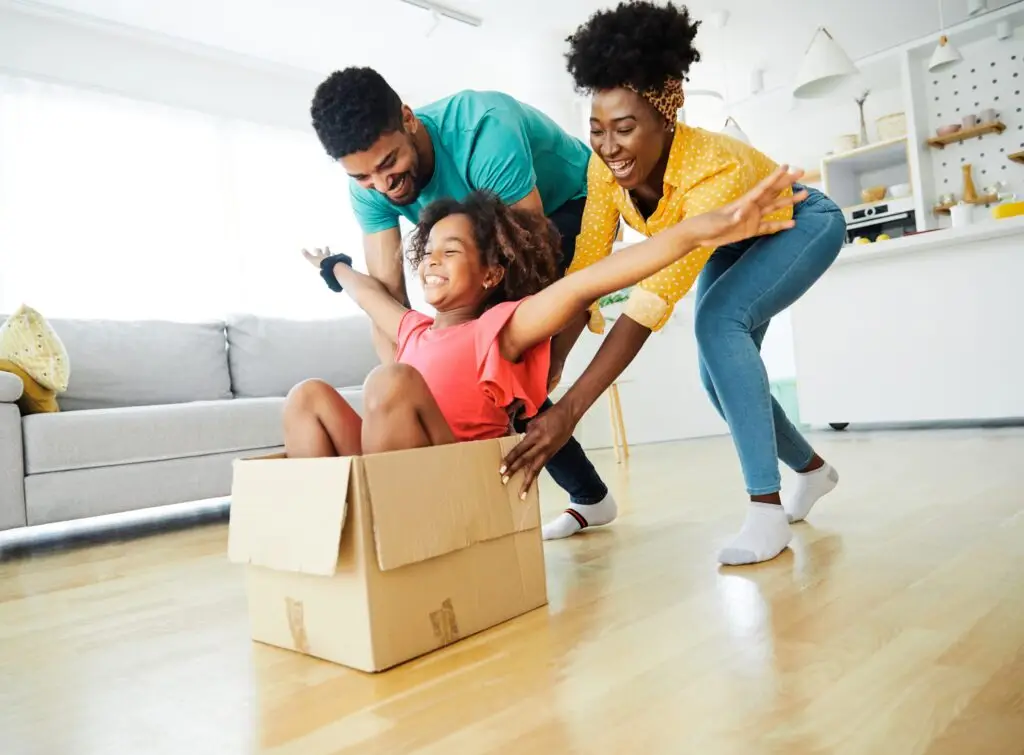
x=873 y=194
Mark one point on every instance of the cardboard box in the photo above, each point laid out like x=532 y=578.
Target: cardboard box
x=373 y=560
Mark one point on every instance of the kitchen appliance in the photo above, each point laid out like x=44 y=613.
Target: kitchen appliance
x=893 y=217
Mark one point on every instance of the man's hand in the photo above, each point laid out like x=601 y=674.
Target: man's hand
x=746 y=217
x=546 y=435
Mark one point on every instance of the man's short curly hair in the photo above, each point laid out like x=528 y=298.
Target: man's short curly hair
x=352 y=109
x=525 y=243
x=640 y=44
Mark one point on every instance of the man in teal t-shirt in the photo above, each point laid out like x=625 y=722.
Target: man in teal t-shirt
x=400 y=160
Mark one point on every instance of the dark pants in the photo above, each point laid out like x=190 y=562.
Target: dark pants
x=570 y=467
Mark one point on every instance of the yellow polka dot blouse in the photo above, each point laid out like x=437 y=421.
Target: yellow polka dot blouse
x=705 y=170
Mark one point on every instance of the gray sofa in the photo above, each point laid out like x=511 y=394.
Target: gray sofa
x=156 y=411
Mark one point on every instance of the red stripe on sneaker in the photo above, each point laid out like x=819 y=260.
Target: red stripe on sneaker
x=577 y=516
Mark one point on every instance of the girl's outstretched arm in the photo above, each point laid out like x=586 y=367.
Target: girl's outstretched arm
x=546 y=313
x=370 y=294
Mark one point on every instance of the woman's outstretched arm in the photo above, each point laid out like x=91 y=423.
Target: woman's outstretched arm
x=543 y=315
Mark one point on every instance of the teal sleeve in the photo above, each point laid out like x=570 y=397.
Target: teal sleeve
x=372 y=212
x=501 y=160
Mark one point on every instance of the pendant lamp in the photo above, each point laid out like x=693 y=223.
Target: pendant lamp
x=732 y=128
x=824 y=67
x=945 y=53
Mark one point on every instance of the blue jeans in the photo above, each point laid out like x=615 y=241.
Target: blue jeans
x=740 y=289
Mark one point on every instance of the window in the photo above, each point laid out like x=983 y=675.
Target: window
x=116 y=208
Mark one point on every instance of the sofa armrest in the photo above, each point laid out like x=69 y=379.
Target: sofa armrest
x=12 y=467
x=11 y=388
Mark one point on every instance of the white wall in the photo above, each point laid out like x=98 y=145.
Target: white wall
x=97 y=57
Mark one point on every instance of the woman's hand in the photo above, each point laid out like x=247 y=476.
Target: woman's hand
x=545 y=436
x=747 y=216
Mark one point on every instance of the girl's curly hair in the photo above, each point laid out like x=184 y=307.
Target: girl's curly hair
x=526 y=244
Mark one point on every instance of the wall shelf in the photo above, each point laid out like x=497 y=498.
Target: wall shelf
x=871 y=156
x=940 y=142
x=987 y=199
x=1017 y=157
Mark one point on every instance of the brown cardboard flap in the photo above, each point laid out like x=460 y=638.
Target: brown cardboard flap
x=287 y=514
x=431 y=501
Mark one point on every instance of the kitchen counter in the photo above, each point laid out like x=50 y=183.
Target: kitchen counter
x=978 y=231
x=909 y=331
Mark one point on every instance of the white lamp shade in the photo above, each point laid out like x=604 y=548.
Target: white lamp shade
x=732 y=128
x=824 y=67
x=944 y=56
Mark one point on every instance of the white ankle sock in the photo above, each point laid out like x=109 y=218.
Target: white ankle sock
x=578 y=516
x=809 y=487
x=764 y=535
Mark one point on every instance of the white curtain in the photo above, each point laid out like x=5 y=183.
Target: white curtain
x=116 y=208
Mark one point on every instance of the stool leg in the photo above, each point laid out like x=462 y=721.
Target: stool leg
x=615 y=425
x=621 y=423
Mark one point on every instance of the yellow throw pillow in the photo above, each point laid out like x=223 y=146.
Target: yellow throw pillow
x=28 y=341
x=35 y=399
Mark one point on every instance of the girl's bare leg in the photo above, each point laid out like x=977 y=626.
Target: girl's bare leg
x=400 y=412
x=319 y=422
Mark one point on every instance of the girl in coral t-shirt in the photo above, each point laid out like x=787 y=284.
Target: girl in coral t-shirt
x=490 y=273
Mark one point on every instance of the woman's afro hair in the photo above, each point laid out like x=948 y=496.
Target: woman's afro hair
x=639 y=43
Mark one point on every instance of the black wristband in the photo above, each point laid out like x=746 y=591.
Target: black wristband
x=327 y=269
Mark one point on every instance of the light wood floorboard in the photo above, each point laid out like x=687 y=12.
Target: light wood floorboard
x=893 y=625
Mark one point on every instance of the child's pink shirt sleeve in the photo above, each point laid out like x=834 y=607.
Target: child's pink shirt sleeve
x=411 y=322
x=504 y=381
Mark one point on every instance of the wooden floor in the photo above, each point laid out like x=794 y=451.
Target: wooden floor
x=893 y=625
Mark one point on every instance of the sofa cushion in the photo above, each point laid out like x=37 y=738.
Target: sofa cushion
x=269 y=356
x=104 y=437
x=142 y=363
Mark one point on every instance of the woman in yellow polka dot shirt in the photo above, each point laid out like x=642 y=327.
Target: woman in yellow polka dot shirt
x=653 y=172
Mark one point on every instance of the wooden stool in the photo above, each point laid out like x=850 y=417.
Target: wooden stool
x=618 y=424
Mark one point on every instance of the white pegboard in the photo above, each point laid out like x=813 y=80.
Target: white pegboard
x=991 y=75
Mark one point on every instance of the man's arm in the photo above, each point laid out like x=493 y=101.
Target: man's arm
x=382 y=246
x=384 y=263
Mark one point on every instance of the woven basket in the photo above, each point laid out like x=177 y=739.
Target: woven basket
x=891 y=126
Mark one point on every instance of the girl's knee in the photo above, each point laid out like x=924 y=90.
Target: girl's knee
x=307 y=395
x=390 y=384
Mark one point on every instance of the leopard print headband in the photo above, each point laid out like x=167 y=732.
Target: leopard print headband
x=667 y=100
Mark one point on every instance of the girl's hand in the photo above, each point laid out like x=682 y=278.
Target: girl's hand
x=316 y=256
x=746 y=217
x=327 y=262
